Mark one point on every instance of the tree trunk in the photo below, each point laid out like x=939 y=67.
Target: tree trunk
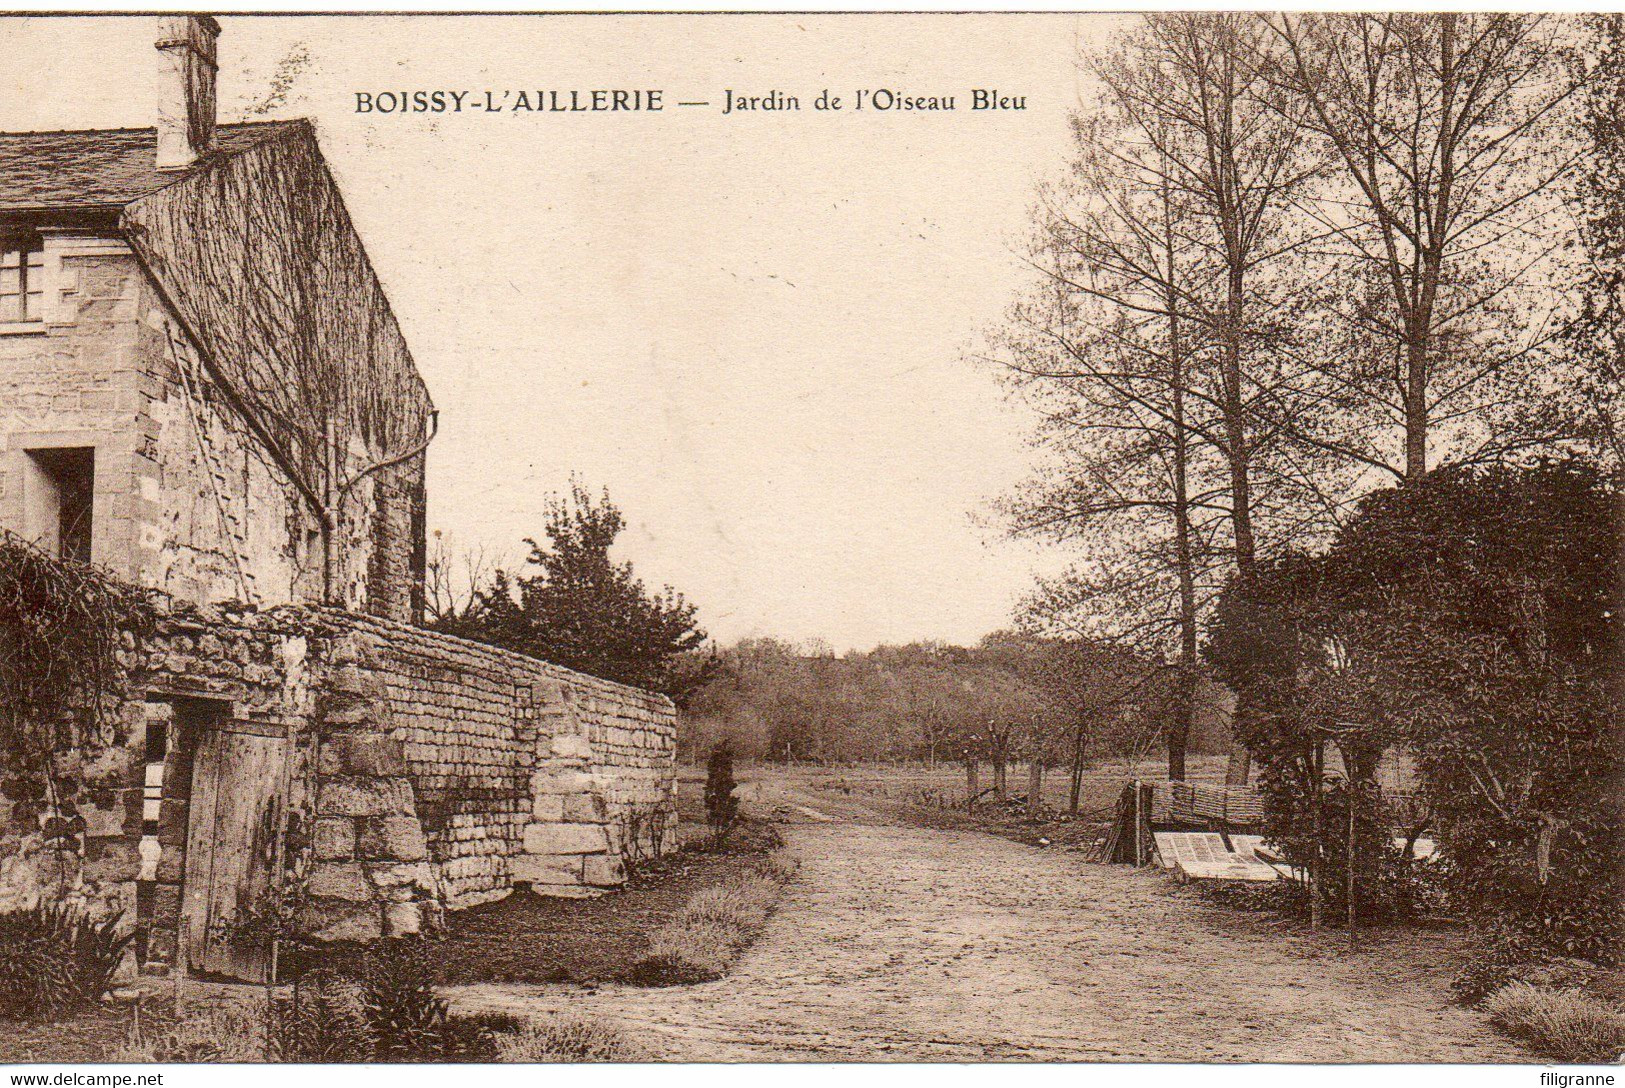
x=1078 y=739
x=972 y=780
x=1179 y=730
x=1317 y=759
x=1035 y=787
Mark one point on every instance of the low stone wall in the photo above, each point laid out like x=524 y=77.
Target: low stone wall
x=521 y=770
x=425 y=773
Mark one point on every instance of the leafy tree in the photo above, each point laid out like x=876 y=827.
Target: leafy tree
x=1470 y=618
x=585 y=611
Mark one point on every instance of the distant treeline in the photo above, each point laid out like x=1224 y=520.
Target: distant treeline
x=1008 y=698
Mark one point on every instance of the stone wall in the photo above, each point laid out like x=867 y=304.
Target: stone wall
x=522 y=770
x=427 y=773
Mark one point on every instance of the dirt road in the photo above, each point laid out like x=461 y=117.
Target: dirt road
x=899 y=943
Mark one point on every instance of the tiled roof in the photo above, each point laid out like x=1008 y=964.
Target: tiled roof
x=99 y=167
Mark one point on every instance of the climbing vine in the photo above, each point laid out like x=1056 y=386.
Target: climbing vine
x=66 y=632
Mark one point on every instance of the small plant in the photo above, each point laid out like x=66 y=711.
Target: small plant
x=405 y=1016
x=321 y=1019
x=228 y=1033
x=56 y=959
x=568 y=1039
x=1568 y=1025
x=721 y=806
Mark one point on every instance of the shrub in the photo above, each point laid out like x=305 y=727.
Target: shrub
x=1468 y=619
x=56 y=959
x=1566 y=1024
x=406 y=1018
x=721 y=806
x=568 y=1039
x=61 y=623
x=322 y=1018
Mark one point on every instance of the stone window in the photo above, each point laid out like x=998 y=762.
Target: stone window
x=22 y=279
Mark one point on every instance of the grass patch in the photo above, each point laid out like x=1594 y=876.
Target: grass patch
x=230 y=1033
x=1569 y=1024
x=714 y=926
x=569 y=1039
x=532 y=939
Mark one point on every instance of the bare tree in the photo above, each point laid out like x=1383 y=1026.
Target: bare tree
x=1440 y=220
x=454 y=578
x=1150 y=343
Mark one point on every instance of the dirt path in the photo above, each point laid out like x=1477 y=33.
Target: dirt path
x=904 y=944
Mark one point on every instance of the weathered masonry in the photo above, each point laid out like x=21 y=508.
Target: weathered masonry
x=204 y=391
x=365 y=775
x=202 y=385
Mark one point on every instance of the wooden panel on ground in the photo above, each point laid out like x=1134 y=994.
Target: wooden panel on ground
x=1422 y=849
x=231 y=850
x=1247 y=845
x=1201 y=855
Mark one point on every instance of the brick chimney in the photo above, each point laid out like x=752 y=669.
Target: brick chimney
x=186 y=77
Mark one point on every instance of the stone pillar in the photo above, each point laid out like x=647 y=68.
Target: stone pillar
x=567 y=847
x=369 y=875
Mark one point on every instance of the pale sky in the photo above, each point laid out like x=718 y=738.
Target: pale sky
x=751 y=329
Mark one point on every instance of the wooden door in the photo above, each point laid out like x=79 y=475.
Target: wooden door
x=232 y=845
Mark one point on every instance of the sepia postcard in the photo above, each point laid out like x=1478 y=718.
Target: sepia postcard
x=812 y=537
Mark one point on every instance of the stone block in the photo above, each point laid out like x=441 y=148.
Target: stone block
x=558 y=780
x=398 y=837
x=565 y=839
x=362 y=797
x=103 y=821
x=544 y=869
x=572 y=746
x=373 y=754
x=548 y=808
x=339 y=880
x=417 y=876
x=584 y=808
x=171 y=865
x=603 y=870
x=335 y=838
x=402 y=919
x=111 y=861
x=340 y=920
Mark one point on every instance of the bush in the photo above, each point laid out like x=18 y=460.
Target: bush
x=322 y=1019
x=1567 y=1025
x=568 y=1039
x=331 y=1017
x=721 y=806
x=56 y=959
x=1467 y=618
x=405 y=1018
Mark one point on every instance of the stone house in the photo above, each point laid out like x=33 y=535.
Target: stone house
x=204 y=390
